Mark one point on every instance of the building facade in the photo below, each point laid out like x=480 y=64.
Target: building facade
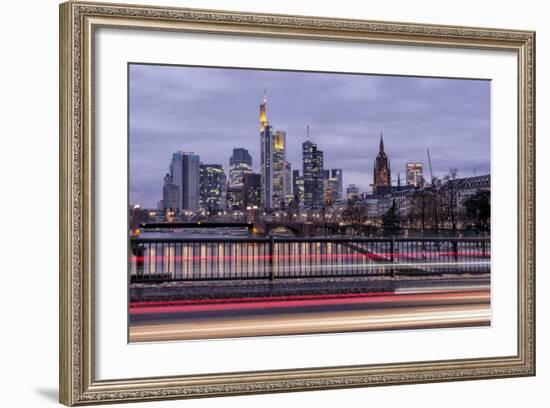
x=352 y=192
x=279 y=169
x=184 y=171
x=288 y=196
x=337 y=184
x=468 y=186
x=252 y=190
x=170 y=195
x=234 y=197
x=332 y=185
x=212 y=187
x=240 y=164
x=414 y=174
x=313 y=175
x=297 y=186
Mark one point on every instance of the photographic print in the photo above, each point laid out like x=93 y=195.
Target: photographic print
x=273 y=202
x=286 y=213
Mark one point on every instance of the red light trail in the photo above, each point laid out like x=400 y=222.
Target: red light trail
x=287 y=302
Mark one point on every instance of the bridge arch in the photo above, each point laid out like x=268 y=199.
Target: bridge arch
x=331 y=227
x=296 y=229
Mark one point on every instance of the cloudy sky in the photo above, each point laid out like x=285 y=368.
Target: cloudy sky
x=210 y=111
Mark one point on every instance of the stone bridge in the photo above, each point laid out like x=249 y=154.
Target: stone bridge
x=301 y=229
x=297 y=228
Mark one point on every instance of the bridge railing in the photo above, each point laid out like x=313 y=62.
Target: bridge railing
x=183 y=259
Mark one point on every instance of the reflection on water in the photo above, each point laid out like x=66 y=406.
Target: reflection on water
x=232 y=255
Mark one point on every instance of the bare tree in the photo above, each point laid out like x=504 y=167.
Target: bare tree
x=326 y=211
x=418 y=208
x=424 y=208
x=450 y=197
x=354 y=215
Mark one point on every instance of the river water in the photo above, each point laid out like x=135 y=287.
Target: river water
x=184 y=255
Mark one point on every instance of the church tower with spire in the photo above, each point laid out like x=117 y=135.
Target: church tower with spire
x=382 y=173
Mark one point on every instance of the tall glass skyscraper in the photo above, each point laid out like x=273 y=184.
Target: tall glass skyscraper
x=275 y=171
x=279 y=164
x=287 y=186
x=240 y=164
x=184 y=171
x=333 y=185
x=336 y=176
x=266 y=157
x=312 y=164
x=297 y=186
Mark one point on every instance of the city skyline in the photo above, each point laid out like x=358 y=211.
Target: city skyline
x=169 y=103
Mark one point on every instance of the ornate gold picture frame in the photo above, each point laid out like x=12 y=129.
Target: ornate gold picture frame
x=79 y=22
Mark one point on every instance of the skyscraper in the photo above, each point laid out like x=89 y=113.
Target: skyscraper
x=266 y=157
x=170 y=194
x=287 y=188
x=278 y=168
x=327 y=193
x=295 y=176
x=312 y=163
x=308 y=149
x=252 y=190
x=212 y=187
x=263 y=113
x=352 y=192
x=184 y=171
x=414 y=174
x=336 y=175
x=297 y=186
x=333 y=185
x=382 y=174
x=299 y=190
x=240 y=163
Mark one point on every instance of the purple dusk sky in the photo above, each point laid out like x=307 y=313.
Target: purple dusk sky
x=210 y=111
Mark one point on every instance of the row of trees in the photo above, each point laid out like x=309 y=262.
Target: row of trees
x=429 y=210
x=435 y=207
